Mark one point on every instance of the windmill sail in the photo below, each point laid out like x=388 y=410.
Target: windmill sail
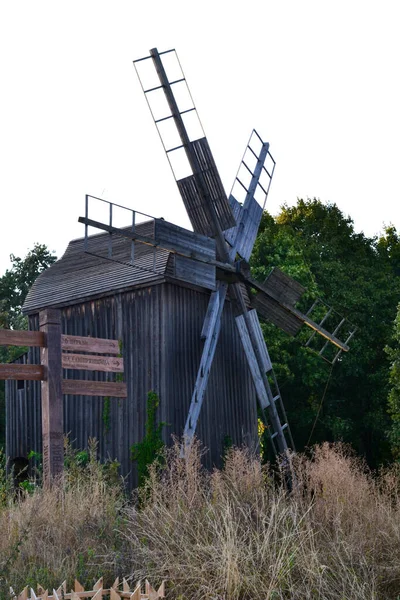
x=201 y=189
x=252 y=181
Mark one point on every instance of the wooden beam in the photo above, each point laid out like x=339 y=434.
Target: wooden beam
x=52 y=405
x=22 y=372
x=106 y=364
x=79 y=387
x=88 y=344
x=10 y=337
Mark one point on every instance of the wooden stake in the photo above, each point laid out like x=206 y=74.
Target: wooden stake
x=115 y=585
x=136 y=594
x=78 y=587
x=98 y=585
x=52 y=405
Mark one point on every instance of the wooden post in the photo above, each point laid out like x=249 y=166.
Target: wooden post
x=52 y=400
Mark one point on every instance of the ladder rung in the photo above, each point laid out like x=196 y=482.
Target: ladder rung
x=158 y=87
x=183 y=112
x=242 y=184
x=163 y=119
x=248 y=168
x=252 y=151
x=276 y=397
x=176 y=148
x=166 y=51
x=177 y=81
x=263 y=189
x=277 y=432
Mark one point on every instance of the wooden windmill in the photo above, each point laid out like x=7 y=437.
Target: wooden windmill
x=224 y=232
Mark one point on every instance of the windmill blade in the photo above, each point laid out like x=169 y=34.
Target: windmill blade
x=275 y=301
x=252 y=184
x=187 y=148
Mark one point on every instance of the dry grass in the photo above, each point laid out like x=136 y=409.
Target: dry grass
x=61 y=533
x=231 y=534
x=238 y=534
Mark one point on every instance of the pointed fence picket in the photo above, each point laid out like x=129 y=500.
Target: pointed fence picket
x=97 y=593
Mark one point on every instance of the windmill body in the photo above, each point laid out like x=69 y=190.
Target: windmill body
x=182 y=302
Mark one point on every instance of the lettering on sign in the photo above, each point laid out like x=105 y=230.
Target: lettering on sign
x=93 y=363
x=87 y=344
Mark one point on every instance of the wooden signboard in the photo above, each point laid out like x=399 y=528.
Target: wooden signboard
x=58 y=351
x=93 y=363
x=21 y=372
x=77 y=343
x=79 y=387
x=10 y=337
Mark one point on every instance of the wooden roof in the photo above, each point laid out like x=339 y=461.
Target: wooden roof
x=82 y=275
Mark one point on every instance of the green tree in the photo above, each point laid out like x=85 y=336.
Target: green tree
x=317 y=245
x=14 y=286
x=394 y=394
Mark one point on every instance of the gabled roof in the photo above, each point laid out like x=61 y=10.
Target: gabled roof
x=81 y=275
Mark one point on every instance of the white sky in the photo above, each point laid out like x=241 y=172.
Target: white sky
x=319 y=80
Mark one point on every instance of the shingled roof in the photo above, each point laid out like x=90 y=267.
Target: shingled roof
x=81 y=275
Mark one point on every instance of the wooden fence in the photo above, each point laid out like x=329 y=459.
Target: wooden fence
x=115 y=592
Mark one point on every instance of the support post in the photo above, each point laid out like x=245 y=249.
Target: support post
x=52 y=399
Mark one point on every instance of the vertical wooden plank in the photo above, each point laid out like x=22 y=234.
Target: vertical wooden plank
x=52 y=408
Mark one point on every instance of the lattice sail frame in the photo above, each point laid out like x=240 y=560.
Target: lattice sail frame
x=187 y=148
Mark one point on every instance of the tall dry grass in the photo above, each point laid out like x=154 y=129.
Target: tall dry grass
x=234 y=534
x=239 y=534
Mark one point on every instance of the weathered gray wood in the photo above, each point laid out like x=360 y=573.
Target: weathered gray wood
x=283 y=287
x=212 y=310
x=52 y=408
x=243 y=236
x=80 y=387
x=207 y=356
x=88 y=344
x=183 y=240
x=10 y=337
x=274 y=311
x=259 y=337
x=198 y=212
x=252 y=363
x=21 y=372
x=195 y=272
x=93 y=363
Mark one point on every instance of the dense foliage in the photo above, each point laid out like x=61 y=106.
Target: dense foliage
x=360 y=276
x=14 y=286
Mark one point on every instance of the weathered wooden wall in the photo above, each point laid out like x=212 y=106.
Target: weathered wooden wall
x=159 y=327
